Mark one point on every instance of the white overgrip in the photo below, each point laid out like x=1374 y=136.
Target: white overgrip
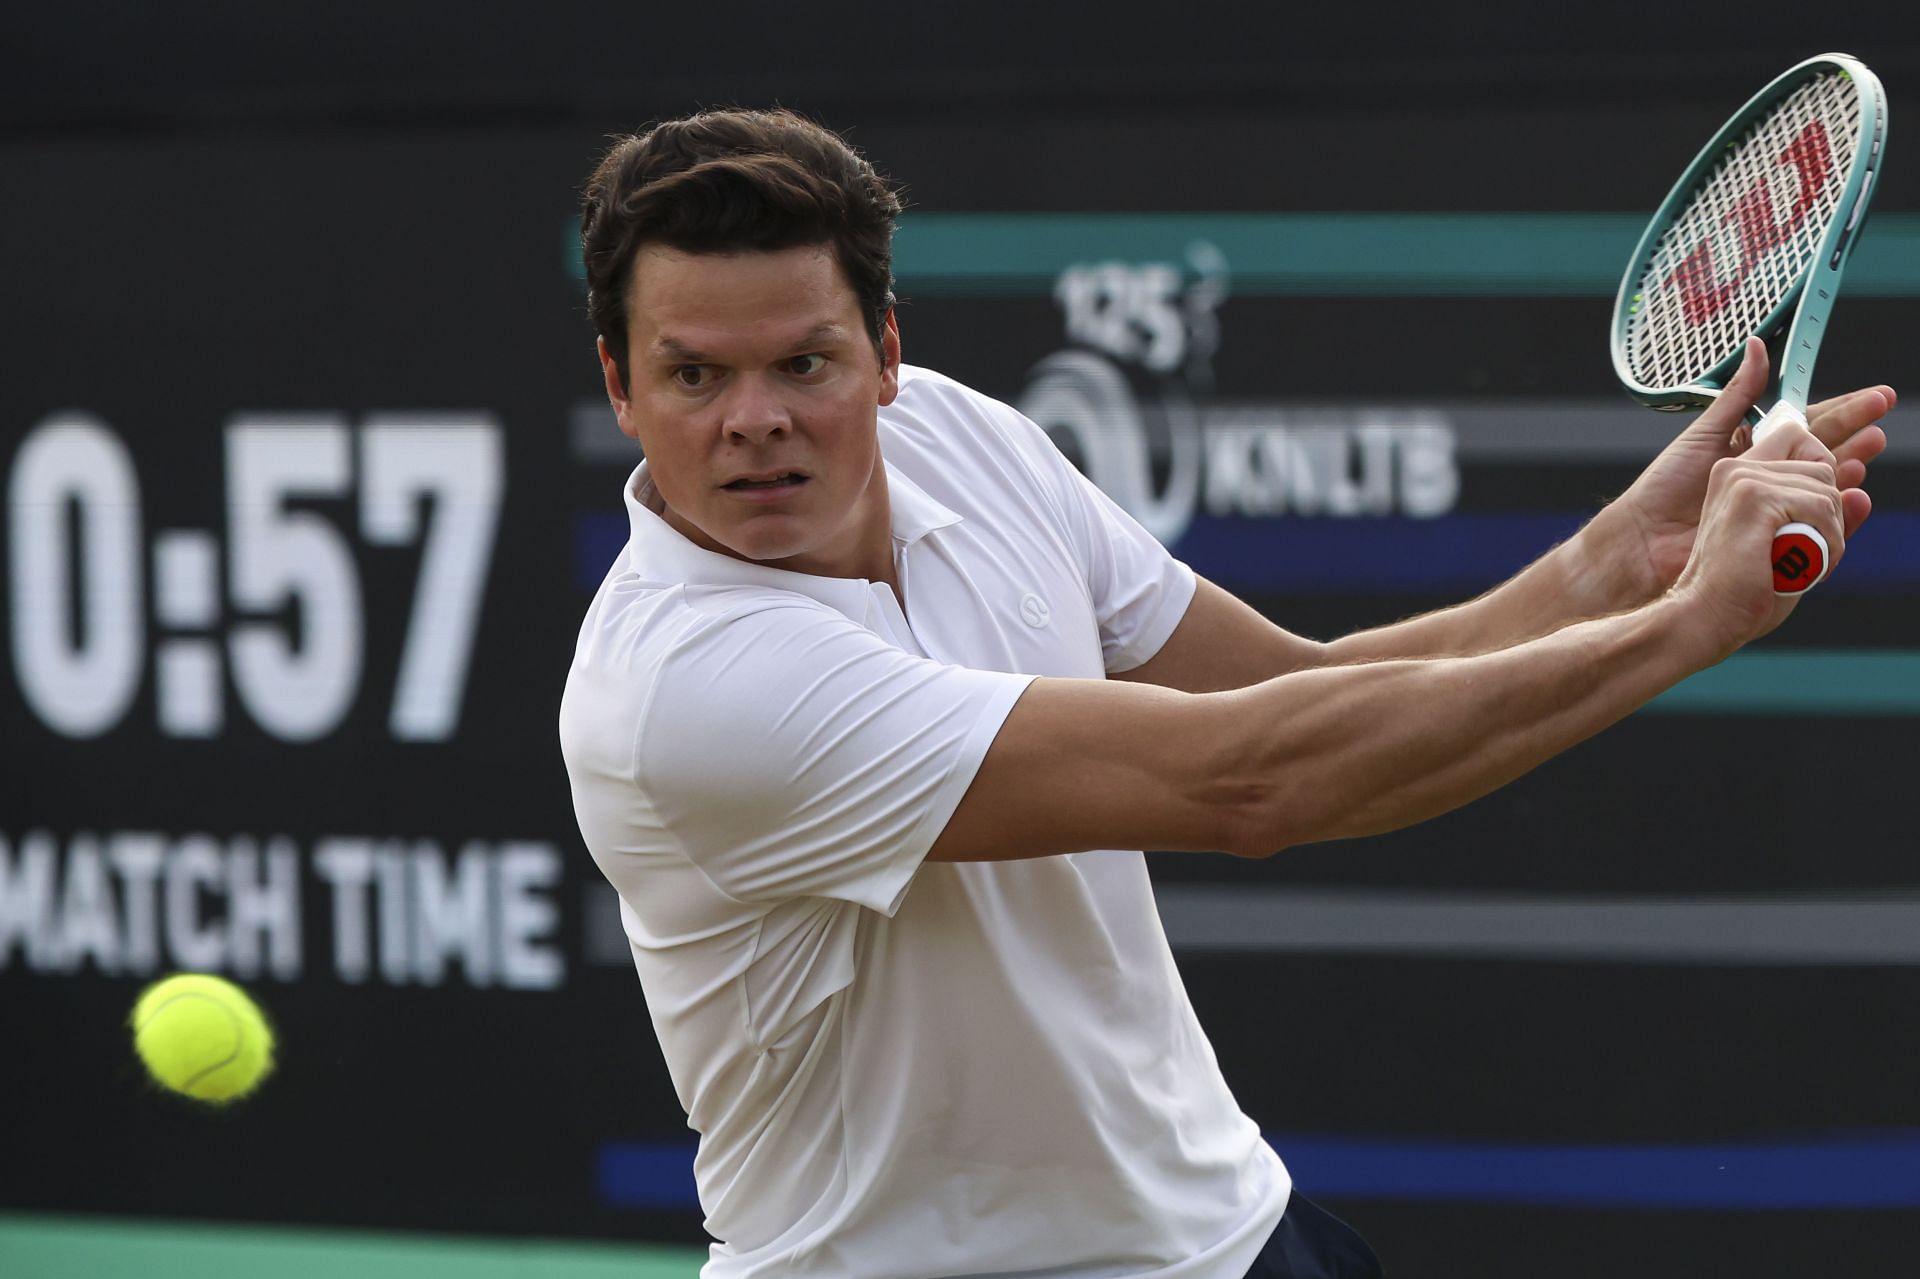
x=1800 y=555
x=1781 y=413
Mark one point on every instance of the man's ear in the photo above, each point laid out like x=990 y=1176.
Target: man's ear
x=889 y=359
x=617 y=392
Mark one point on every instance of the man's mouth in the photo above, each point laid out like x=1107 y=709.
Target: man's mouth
x=779 y=479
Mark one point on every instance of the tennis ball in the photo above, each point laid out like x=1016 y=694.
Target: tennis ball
x=203 y=1037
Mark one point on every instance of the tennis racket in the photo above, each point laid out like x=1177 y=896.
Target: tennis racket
x=1752 y=240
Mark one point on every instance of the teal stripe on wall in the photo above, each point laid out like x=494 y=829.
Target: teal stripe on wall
x=1801 y=682
x=1332 y=254
x=109 y=1248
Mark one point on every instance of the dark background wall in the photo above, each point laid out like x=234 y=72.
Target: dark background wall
x=308 y=481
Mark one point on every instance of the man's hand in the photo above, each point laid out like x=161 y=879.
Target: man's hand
x=1648 y=534
x=1787 y=477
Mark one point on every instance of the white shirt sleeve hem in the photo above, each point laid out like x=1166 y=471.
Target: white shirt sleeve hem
x=1154 y=634
x=993 y=714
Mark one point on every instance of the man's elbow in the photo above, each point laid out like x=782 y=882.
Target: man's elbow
x=1238 y=804
x=1253 y=830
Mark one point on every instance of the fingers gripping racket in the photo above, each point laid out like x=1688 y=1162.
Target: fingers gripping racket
x=1752 y=240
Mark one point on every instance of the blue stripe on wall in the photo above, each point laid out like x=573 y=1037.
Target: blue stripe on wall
x=1462 y=553
x=1871 y=1170
x=598 y=537
x=640 y=1175
x=1874 y=1170
x=1452 y=554
x=1459 y=554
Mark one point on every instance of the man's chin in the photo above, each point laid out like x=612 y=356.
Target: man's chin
x=771 y=551
x=758 y=542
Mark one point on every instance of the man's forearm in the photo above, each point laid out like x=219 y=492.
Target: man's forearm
x=1360 y=749
x=1585 y=577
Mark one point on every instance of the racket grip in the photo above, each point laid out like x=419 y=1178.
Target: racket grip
x=1779 y=415
x=1800 y=555
x=1799 y=558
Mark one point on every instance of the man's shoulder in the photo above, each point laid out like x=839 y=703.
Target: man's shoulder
x=931 y=399
x=918 y=381
x=636 y=630
x=953 y=424
x=632 y=617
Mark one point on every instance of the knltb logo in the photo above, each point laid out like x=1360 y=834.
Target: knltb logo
x=1702 y=292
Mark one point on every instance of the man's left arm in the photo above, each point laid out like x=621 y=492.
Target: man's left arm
x=1629 y=553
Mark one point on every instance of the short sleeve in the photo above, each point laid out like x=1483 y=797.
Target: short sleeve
x=1140 y=591
x=790 y=752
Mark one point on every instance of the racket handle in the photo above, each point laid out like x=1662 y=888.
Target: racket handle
x=1779 y=415
x=1799 y=558
x=1799 y=552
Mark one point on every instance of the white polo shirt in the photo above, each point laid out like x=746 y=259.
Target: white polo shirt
x=898 y=1070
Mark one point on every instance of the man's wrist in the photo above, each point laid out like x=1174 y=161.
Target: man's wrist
x=1607 y=564
x=1689 y=629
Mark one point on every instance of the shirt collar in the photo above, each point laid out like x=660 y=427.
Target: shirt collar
x=915 y=513
x=660 y=552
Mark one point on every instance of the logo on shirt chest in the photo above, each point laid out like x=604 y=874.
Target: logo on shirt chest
x=1034 y=611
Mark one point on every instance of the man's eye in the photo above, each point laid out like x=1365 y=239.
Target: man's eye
x=807 y=365
x=693 y=376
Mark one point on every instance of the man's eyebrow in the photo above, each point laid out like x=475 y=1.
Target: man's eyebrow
x=674 y=349
x=828 y=333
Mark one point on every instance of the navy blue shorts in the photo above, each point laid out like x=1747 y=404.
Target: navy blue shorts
x=1312 y=1243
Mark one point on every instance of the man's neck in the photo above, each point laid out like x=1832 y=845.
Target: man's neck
x=868 y=541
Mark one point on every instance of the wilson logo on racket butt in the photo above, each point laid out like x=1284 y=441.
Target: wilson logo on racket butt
x=1794 y=562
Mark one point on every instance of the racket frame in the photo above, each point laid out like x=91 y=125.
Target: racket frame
x=1813 y=292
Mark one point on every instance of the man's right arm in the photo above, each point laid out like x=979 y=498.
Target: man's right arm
x=1319 y=754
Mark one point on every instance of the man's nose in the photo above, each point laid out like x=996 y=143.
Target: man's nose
x=755 y=412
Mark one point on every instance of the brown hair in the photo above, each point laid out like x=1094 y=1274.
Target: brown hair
x=734 y=181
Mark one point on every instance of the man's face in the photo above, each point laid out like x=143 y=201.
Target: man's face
x=753 y=387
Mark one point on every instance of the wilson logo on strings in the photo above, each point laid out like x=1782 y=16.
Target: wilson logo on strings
x=1703 y=294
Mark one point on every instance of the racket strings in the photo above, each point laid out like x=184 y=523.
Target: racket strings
x=1751 y=229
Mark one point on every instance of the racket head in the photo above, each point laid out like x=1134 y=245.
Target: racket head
x=1769 y=209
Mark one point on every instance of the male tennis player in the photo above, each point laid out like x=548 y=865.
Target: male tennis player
x=880 y=684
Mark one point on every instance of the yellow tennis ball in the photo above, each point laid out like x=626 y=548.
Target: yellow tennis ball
x=202 y=1036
